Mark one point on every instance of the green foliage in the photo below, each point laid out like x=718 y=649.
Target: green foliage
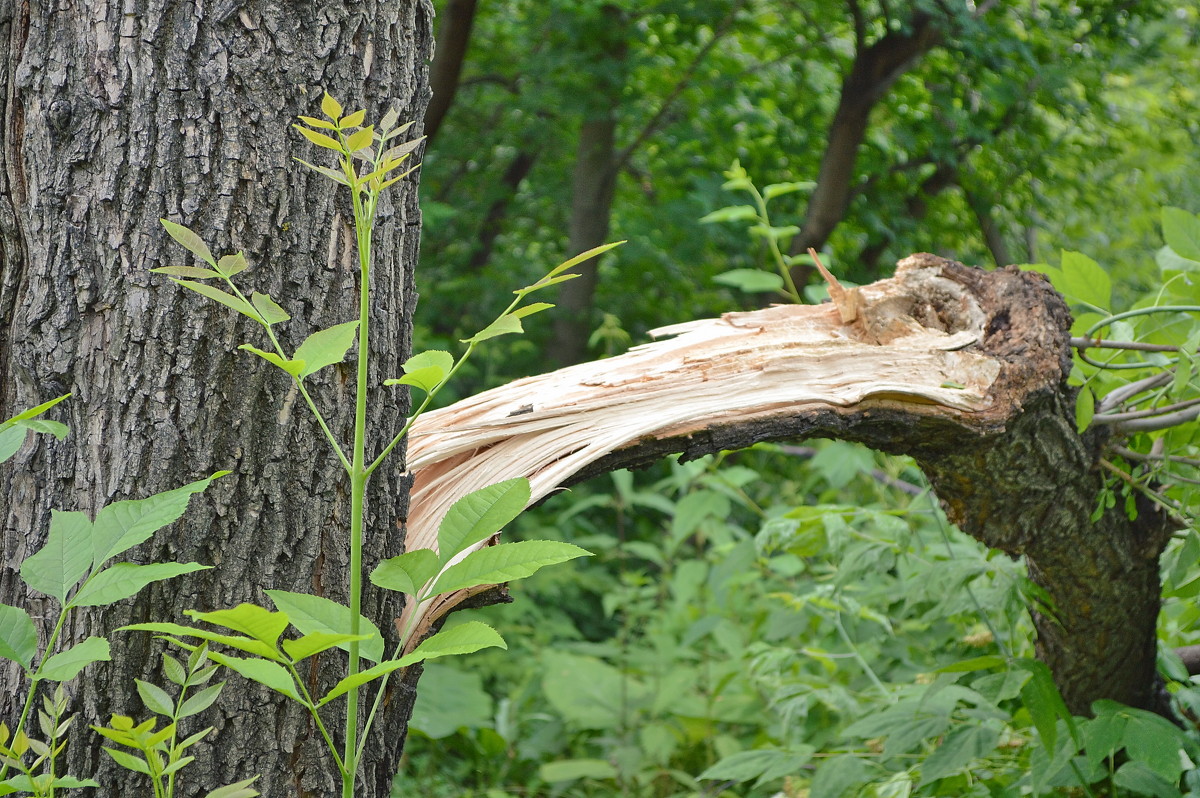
x=74 y=567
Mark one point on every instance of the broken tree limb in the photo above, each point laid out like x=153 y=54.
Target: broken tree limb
x=962 y=369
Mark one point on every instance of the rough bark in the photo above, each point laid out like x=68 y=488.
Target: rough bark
x=882 y=367
x=115 y=116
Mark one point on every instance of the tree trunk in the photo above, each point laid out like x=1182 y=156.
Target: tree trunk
x=112 y=119
x=454 y=36
x=964 y=370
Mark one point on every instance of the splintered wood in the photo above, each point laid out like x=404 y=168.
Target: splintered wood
x=906 y=340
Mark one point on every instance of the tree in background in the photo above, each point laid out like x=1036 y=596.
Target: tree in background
x=949 y=128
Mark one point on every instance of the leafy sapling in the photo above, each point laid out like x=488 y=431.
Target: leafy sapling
x=162 y=752
x=368 y=162
x=74 y=567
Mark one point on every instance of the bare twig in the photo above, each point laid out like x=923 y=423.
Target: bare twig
x=1125 y=392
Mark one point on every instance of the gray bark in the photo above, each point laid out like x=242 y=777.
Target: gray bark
x=114 y=116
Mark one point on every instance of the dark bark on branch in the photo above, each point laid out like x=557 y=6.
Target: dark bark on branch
x=493 y=220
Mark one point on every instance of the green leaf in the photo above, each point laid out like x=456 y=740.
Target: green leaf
x=572 y=769
x=465 y=638
x=752 y=281
x=269 y=674
x=481 y=514
x=268 y=308
x=200 y=701
x=11 y=439
x=361 y=139
x=1138 y=779
x=505 y=563
x=983 y=663
x=838 y=774
x=128 y=761
x=734 y=213
x=332 y=174
x=240 y=789
x=504 y=325
x=247 y=644
x=330 y=107
x=779 y=189
x=173 y=670
x=122 y=525
x=18 y=637
x=451 y=699
x=194 y=272
x=1085 y=408
x=1045 y=704
x=1181 y=231
x=1154 y=742
x=66 y=665
x=64 y=560
x=326 y=347
x=575 y=261
x=957 y=750
x=320 y=139
x=226 y=299
x=530 y=309
x=426 y=370
x=249 y=619
x=293 y=367
x=191 y=242
x=407 y=573
x=125 y=579
x=316 y=642
x=33 y=412
x=747 y=765
x=155 y=698
x=229 y=265
x=311 y=614
x=312 y=121
x=1083 y=281
x=352 y=120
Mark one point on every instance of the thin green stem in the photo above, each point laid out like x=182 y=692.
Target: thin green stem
x=329 y=436
x=34 y=681
x=311 y=706
x=776 y=253
x=418 y=600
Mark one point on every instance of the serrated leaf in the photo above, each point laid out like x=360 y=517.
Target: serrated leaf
x=361 y=139
x=229 y=265
x=316 y=642
x=481 y=514
x=733 y=213
x=1083 y=281
x=173 y=670
x=779 y=189
x=311 y=614
x=66 y=665
x=190 y=241
x=56 y=567
x=122 y=525
x=426 y=370
x=330 y=107
x=249 y=619
x=155 y=698
x=326 y=347
x=269 y=674
x=504 y=325
x=247 y=644
x=575 y=261
x=320 y=139
x=389 y=120
x=34 y=412
x=352 y=120
x=187 y=271
x=408 y=572
x=465 y=638
x=312 y=121
x=1181 y=231
x=240 y=789
x=268 y=308
x=332 y=174
x=18 y=637
x=505 y=563
x=751 y=281
x=293 y=367
x=200 y=701
x=128 y=761
x=226 y=299
x=123 y=580
x=530 y=309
